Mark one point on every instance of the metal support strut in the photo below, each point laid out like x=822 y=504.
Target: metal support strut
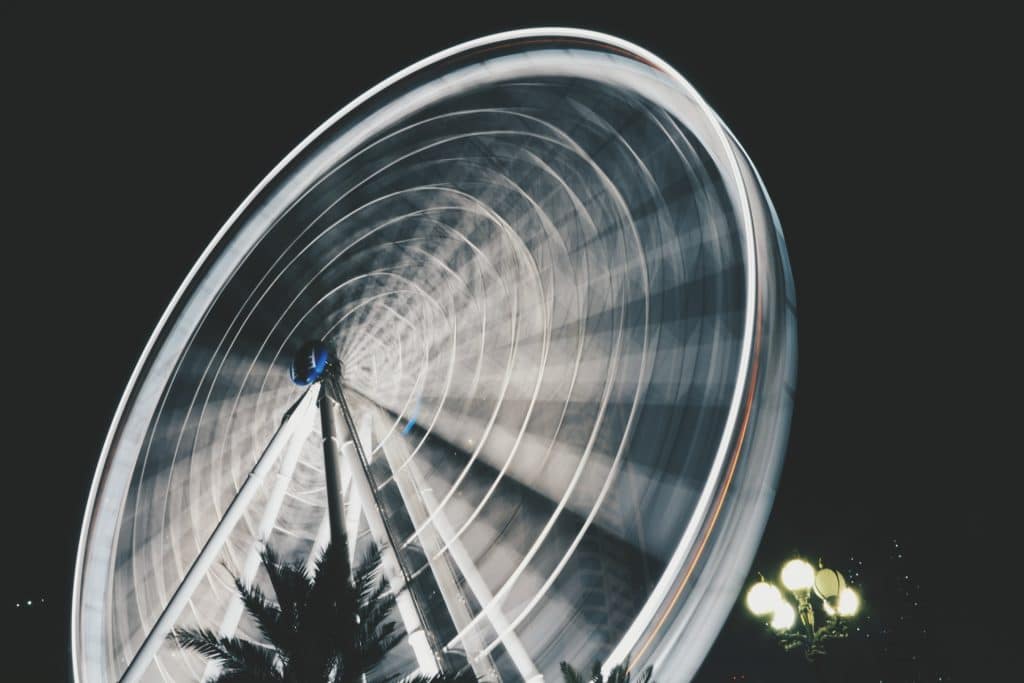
x=236 y=508
x=428 y=655
x=332 y=463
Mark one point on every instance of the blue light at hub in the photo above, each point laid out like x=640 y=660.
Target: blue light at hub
x=309 y=363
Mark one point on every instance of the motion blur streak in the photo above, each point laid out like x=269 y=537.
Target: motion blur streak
x=564 y=311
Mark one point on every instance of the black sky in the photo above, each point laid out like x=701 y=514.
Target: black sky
x=129 y=139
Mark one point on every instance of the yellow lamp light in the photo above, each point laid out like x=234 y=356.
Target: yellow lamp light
x=849 y=602
x=798 y=575
x=784 y=616
x=763 y=598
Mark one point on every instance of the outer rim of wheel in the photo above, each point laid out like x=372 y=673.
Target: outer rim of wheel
x=96 y=508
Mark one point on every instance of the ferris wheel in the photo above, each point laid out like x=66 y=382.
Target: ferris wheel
x=542 y=300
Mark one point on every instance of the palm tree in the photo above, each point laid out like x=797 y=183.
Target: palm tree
x=617 y=675
x=330 y=627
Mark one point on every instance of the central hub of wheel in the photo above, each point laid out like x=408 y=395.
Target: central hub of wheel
x=311 y=362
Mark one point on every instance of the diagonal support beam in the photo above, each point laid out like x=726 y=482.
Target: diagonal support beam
x=211 y=550
x=447 y=583
x=481 y=592
x=423 y=505
x=233 y=614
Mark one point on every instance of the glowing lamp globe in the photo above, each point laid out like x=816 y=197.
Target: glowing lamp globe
x=310 y=363
x=849 y=603
x=798 y=575
x=784 y=616
x=763 y=598
x=828 y=584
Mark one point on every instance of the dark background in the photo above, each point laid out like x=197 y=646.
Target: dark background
x=129 y=139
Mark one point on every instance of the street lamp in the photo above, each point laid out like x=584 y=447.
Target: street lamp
x=836 y=601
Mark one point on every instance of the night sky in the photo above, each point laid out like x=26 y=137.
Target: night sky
x=129 y=139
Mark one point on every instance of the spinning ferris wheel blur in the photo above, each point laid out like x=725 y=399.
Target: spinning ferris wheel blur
x=559 y=304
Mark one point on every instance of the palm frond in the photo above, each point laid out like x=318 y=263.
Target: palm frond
x=290 y=583
x=376 y=610
x=332 y=578
x=330 y=626
x=246 y=677
x=367 y=573
x=571 y=675
x=201 y=640
x=233 y=654
x=333 y=561
x=619 y=674
x=332 y=604
x=251 y=657
x=465 y=676
x=276 y=628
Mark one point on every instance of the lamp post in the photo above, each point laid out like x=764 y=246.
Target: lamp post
x=797 y=626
